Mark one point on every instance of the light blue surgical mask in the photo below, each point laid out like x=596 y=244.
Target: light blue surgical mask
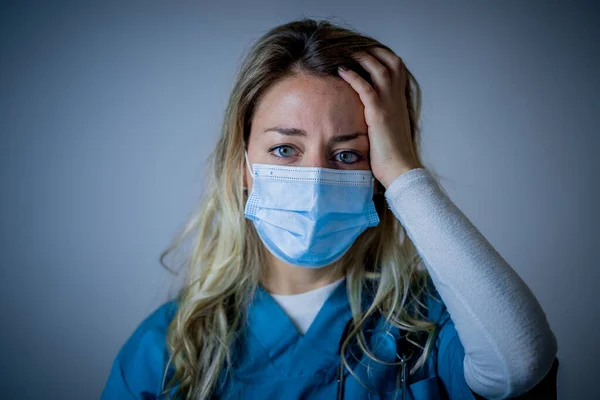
x=310 y=216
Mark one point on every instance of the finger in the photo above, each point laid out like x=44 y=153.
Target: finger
x=365 y=91
x=392 y=62
x=379 y=73
x=395 y=65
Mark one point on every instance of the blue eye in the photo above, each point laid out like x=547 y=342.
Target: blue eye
x=347 y=157
x=282 y=151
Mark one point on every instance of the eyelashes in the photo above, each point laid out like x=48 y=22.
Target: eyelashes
x=347 y=157
x=348 y=154
x=278 y=151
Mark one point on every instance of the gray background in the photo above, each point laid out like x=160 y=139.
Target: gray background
x=108 y=111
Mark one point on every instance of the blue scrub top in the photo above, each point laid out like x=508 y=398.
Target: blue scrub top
x=273 y=361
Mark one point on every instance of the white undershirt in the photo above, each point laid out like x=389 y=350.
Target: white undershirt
x=302 y=308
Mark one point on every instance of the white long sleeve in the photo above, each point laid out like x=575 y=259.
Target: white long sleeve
x=509 y=346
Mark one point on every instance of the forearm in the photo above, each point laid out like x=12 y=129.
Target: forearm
x=508 y=343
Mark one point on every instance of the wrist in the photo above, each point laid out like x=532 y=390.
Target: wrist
x=394 y=172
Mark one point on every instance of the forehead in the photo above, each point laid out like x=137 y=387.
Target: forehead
x=319 y=105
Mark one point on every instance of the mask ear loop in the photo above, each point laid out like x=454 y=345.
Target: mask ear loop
x=248 y=163
x=249 y=169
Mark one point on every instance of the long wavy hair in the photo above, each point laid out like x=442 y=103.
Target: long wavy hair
x=225 y=264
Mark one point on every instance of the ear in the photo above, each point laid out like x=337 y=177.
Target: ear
x=245 y=177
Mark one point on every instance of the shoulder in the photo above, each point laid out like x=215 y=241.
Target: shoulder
x=150 y=335
x=446 y=337
x=448 y=352
x=139 y=365
x=437 y=312
x=436 y=308
x=430 y=304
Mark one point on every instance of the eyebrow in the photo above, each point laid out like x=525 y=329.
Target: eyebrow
x=301 y=132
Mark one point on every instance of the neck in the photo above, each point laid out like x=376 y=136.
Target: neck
x=283 y=278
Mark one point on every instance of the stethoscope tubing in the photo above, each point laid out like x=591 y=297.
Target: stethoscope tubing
x=341 y=376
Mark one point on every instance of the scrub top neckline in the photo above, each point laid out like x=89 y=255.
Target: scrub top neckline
x=279 y=337
x=302 y=308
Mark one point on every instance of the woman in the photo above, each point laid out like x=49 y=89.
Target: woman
x=328 y=262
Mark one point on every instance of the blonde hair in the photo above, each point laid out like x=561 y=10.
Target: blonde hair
x=225 y=264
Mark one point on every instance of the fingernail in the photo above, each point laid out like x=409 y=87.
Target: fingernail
x=342 y=68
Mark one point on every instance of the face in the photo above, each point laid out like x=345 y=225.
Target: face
x=309 y=121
